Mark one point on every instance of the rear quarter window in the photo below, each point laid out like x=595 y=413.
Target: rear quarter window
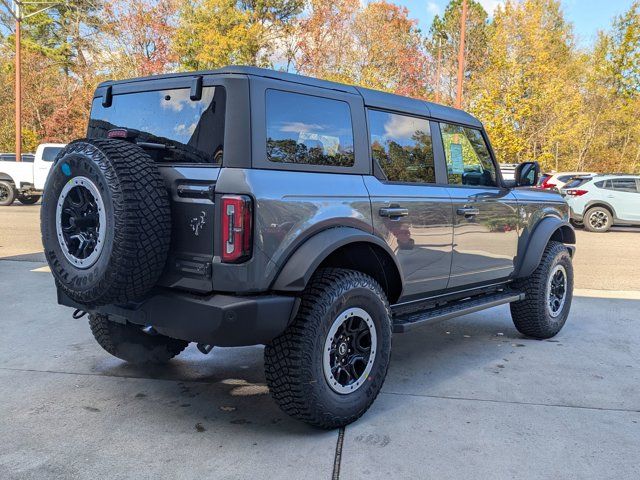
x=305 y=129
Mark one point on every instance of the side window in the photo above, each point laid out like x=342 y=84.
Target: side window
x=468 y=158
x=308 y=130
x=401 y=145
x=624 y=185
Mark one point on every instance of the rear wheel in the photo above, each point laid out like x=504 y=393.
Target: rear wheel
x=133 y=343
x=548 y=294
x=328 y=367
x=598 y=219
x=28 y=199
x=7 y=193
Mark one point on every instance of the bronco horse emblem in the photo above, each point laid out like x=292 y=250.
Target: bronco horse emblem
x=197 y=223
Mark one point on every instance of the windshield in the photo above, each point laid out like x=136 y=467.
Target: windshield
x=166 y=123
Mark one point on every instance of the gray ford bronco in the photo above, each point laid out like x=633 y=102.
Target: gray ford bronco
x=245 y=206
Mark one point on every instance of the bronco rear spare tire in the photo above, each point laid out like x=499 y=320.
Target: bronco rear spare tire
x=105 y=222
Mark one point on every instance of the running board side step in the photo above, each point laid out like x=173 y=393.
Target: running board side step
x=404 y=323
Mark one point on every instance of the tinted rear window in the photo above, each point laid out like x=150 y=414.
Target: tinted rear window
x=49 y=154
x=564 y=178
x=308 y=130
x=576 y=182
x=191 y=131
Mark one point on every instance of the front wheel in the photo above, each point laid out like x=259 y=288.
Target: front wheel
x=133 y=343
x=328 y=367
x=548 y=294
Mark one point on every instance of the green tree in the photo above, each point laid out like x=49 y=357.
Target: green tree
x=444 y=34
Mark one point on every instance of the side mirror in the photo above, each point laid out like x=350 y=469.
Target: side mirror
x=526 y=174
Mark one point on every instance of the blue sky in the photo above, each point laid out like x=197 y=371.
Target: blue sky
x=587 y=16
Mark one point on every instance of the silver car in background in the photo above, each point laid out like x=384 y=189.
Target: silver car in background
x=601 y=201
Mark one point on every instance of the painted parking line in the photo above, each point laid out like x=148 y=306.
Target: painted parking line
x=44 y=269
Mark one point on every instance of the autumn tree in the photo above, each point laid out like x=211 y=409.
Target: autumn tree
x=326 y=40
x=528 y=93
x=136 y=35
x=58 y=52
x=611 y=98
x=213 y=33
x=377 y=46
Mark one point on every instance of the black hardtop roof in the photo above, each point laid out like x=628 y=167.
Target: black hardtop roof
x=372 y=98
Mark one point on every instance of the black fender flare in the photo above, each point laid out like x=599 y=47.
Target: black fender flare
x=300 y=266
x=547 y=228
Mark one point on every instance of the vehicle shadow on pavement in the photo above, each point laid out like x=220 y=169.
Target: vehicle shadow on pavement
x=25 y=257
x=228 y=385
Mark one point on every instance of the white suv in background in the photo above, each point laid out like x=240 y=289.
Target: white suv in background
x=601 y=201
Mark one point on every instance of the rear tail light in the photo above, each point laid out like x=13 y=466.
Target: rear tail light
x=236 y=228
x=574 y=192
x=546 y=184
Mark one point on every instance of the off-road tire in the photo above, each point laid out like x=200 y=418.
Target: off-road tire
x=531 y=316
x=130 y=343
x=294 y=360
x=137 y=217
x=28 y=199
x=7 y=193
x=602 y=211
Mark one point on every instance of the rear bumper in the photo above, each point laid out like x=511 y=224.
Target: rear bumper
x=221 y=320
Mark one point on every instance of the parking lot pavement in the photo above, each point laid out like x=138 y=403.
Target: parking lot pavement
x=20 y=232
x=469 y=398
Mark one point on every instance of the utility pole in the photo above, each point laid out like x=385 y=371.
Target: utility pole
x=16 y=6
x=463 y=29
x=17 y=12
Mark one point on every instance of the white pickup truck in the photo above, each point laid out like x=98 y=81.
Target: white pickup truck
x=25 y=180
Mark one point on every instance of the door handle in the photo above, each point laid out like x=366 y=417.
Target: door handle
x=468 y=211
x=394 y=212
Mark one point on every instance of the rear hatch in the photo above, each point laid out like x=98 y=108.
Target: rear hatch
x=180 y=124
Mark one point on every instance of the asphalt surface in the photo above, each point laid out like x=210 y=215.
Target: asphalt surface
x=468 y=398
